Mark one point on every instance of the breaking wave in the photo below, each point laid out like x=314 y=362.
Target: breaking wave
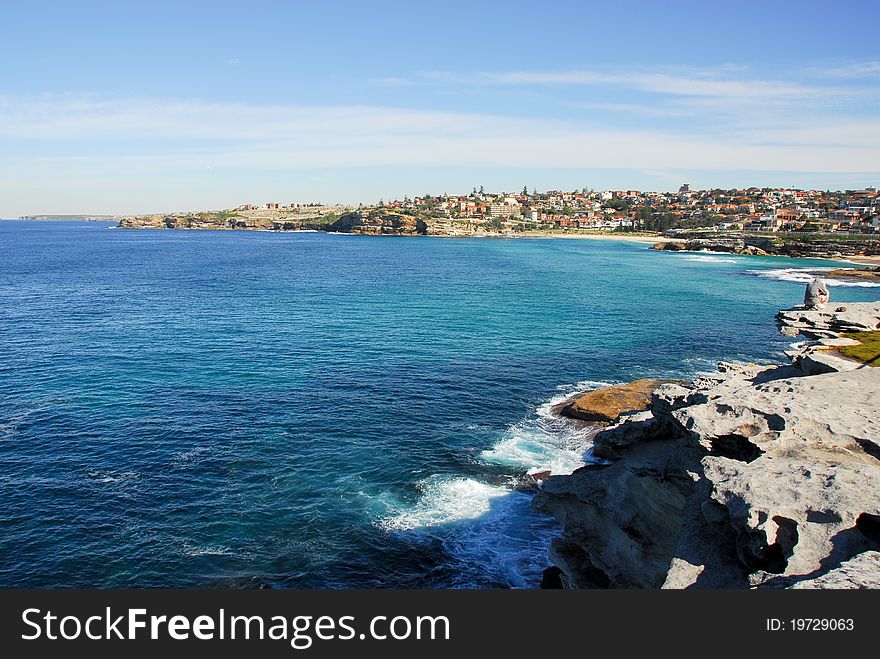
x=707 y=259
x=446 y=499
x=806 y=275
x=488 y=527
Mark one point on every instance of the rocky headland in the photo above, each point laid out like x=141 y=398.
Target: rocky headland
x=756 y=245
x=330 y=219
x=756 y=477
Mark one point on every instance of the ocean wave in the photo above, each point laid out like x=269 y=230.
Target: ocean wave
x=503 y=542
x=508 y=546
x=707 y=259
x=445 y=499
x=806 y=275
x=698 y=367
x=489 y=530
x=541 y=442
x=544 y=443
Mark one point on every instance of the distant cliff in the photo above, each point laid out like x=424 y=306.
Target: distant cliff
x=87 y=218
x=380 y=223
x=372 y=222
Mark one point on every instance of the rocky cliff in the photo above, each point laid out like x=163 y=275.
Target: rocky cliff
x=760 y=476
x=380 y=223
x=373 y=222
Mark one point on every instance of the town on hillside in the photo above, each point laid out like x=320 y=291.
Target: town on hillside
x=756 y=210
x=752 y=209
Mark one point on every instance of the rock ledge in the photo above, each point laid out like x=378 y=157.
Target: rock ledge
x=756 y=477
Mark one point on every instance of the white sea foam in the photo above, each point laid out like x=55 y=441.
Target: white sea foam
x=490 y=531
x=209 y=550
x=508 y=546
x=707 y=259
x=533 y=451
x=544 y=442
x=113 y=477
x=445 y=499
x=806 y=275
x=494 y=537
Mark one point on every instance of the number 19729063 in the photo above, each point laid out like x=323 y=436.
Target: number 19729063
x=811 y=624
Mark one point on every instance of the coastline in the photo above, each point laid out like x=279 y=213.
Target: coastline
x=723 y=482
x=865 y=251
x=864 y=260
x=623 y=237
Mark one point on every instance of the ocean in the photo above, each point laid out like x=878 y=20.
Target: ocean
x=257 y=409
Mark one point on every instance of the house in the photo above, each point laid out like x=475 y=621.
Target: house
x=847 y=216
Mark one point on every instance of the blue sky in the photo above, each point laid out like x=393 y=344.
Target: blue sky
x=136 y=107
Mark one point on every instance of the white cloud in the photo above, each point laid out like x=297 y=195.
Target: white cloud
x=154 y=133
x=64 y=147
x=703 y=82
x=857 y=69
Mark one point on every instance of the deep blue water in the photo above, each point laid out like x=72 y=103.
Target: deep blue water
x=310 y=410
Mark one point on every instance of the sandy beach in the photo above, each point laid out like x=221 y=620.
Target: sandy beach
x=598 y=236
x=867 y=260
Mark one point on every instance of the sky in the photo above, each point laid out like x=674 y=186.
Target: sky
x=118 y=108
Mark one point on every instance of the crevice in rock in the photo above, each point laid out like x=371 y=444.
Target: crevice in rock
x=735 y=447
x=757 y=555
x=869 y=447
x=846 y=544
x=775 y=422
x=869 y=525
x=823 y=517
x=551 y=578
x=786 y=535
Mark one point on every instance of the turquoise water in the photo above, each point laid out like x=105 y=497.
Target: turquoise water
x=311 y=410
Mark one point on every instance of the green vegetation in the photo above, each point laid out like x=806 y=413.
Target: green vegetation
x=219 y=216
x=868 y=349
x=328 y=218
x=700 y=221
x=648 y=219
x=618 y=204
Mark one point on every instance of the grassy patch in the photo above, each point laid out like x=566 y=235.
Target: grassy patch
x=868 y=350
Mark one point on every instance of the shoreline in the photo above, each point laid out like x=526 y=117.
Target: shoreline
x=596 y=236
x=716 y=483
x=622 y=237
x=723 y=245
x=864 y=260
